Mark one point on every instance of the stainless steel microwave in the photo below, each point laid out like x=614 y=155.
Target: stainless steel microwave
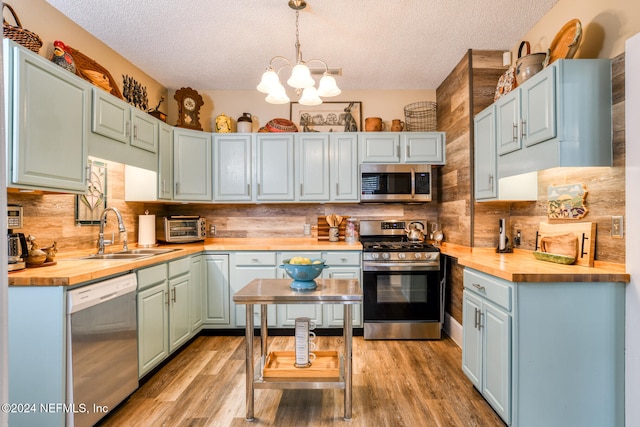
x=182 y=229
x=395 y=183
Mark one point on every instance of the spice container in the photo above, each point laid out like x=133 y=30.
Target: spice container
x=352 y=230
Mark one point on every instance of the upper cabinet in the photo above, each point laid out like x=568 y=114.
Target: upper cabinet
x=47 y=123
x=559 y=117
x=165 y=162
x=343 y=169
x=485 y=171
x=275 y=167
x=192 y=165
x=122 y=133
x=402 y=147
x=313 y=167
x=233 y=171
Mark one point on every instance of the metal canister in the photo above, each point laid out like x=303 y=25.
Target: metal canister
x=352 y=230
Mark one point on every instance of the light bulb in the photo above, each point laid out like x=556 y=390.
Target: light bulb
x=328 y=86
x=300 y=77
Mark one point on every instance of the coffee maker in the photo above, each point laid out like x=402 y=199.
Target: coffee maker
x=17 y=242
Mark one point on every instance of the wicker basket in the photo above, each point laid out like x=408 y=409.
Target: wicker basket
x=94 y=73
x=420 y=116
x=26 y=38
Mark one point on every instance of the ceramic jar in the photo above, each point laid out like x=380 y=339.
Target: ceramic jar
x=397 y=125
x=373 y=124
x=223 y=124
x=245 y=123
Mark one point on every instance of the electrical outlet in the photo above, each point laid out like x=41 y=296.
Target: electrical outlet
x=517 y=239
x=506 y=58
x=617 y=230
x=212 y=230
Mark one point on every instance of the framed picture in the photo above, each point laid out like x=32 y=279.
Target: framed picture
x=90 y=205
x=327 y=117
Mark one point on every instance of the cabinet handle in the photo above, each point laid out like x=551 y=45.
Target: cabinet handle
x=475 y=318
x=479 y=287
x=255 y=260
x=408 y=151
x=524 y=129
x=174 y=294
x=301 y=188
x=398 y=150
x=344 y=260
x=127 y=129
x=249 y=190
x=135 y=131
x=514 y=132
x=166 y=294
x=176 y=190
x=259 y=189
x=491 y=181
x=480 y=326
x=164 y=185
x=337 y=188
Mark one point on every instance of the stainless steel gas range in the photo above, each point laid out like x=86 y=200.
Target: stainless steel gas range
x=401 y=282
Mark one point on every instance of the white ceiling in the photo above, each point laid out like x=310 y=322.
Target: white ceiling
x=379 y=44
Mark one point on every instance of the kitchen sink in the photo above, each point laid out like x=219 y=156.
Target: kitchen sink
x=130 y=254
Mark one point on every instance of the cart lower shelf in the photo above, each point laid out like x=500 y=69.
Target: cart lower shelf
x=326 y=371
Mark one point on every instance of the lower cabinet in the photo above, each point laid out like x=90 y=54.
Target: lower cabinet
x=168 y=305
x=486 y=358
x=246 y=266
x=546 y=353
x=217 y=299
x=289 y=312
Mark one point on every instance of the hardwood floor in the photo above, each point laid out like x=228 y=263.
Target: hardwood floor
x=395 y=383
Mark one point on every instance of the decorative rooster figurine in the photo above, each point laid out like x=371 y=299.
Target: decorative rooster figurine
x=62 y=58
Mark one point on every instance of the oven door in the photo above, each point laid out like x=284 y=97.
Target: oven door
x=401 y=296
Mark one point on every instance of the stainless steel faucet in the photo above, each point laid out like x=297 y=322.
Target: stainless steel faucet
x=123 y=232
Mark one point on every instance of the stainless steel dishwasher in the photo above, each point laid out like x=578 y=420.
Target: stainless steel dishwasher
x=102 y=348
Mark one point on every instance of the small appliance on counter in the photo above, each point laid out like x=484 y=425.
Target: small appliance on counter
x=17 y=242
x=182 y=229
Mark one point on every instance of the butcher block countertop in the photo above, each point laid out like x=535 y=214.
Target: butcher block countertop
x=70 y=271
x=521 y=266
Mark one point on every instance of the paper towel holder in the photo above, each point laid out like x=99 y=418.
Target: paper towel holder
x=147 y=236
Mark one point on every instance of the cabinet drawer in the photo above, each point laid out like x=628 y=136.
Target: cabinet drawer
x=492 y=288
x=342 y=258
x=180 y=266
x=151 y=276
x=256 y=258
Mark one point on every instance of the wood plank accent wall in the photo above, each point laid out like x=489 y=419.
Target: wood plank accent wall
x=465 y=92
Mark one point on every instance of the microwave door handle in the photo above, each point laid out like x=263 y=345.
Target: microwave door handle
x=413 y=183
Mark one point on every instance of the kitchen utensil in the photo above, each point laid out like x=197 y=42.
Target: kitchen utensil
x=373 y=124
x=528 y=65
x=566 y=42
x=585 y=232
x=17 y=247
x=414 y=232
x=334 y=234
x=557 y=258
x=561 y=244
x=303 y=275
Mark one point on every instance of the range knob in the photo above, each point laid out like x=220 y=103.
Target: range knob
x=417 y=255
x=385 y=255
x=375 y=255
x=402 y=255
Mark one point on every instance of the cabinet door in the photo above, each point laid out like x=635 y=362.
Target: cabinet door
x=335 y=312
x=178 y=311
x=50 y=125
x=153 y=327
x=471 y=338
x=423 y=147
x=217 y=289
x=485 y=155
x=380 y=147
x=274 y=167
x=242 y=276
x=233 y=167
x=165 y=162
x=144 y=134
x=110 y=116
x=192 y=165
x=496 y=384
x=313 y=167
x=196 y=293
x=539 y=108
x=343 y=169
x=507 y=123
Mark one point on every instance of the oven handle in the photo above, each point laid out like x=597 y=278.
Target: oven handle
x=390 y=266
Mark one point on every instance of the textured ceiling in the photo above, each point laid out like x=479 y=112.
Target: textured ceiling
x=379 y=44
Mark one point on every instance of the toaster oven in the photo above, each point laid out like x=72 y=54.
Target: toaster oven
x=182 y=229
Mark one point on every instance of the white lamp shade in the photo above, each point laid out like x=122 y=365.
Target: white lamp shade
x=300 y=77
x=328 y=86
x=277 y=95
x=268 y=82
x=310 y=97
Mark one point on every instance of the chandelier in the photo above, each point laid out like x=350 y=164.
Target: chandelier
x=300 y=78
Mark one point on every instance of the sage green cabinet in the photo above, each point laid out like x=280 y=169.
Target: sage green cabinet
x=289 y=312
x=539 y=355
x=275 y=167
x=197 y=278
x=233 y=167
x=165 y=162
x=47 y=123
x=343 y=169
x=217 y=297
x=179 y=309
x=402 y=147
x=153 y=317
x=485 y=169
x=343 y=265
x=246 y=266
x=313 y=167
x=192 y=160
x=559 y=117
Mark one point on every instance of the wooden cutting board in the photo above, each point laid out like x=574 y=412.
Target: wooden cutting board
x=584 y=231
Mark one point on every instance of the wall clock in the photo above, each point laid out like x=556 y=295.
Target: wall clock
x=189 y=103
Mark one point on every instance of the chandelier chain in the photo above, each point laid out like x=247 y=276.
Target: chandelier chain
x=298 y=52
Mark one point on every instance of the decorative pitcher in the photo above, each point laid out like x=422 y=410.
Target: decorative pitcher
x=397 y=125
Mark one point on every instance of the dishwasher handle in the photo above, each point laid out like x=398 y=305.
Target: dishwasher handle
x=88 y=296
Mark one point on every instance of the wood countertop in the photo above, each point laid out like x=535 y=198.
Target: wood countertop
x=70 y=271
x=521 y=266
